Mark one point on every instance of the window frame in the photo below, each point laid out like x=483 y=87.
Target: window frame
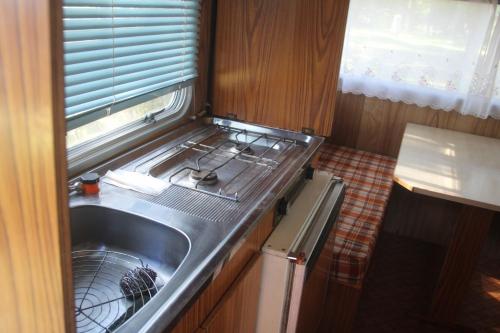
x=88 y=154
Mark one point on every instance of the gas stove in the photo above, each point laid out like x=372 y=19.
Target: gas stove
x=219 y=169
x=223 y=160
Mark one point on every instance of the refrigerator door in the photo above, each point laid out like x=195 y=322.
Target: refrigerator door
x=295 y=271
x=311 y=262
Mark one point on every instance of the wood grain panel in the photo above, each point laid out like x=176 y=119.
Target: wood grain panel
x=419 y=216
x=34 y=244
x=346 y=124
x=237 y=310
x=460 y=263
x=378 y=125
x=200 y=309
x=277 y=62
x=61 y=167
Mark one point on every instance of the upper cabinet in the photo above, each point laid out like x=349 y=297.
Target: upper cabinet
x=277 y=62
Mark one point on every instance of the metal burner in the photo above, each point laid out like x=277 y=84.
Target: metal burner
x=203 y=177
x=242 y=148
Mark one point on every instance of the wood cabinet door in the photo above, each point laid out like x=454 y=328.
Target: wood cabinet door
x=237 y=310
x=277 y=62
x=218 y=290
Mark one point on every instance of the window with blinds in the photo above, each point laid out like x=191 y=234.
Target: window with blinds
x=119 y=53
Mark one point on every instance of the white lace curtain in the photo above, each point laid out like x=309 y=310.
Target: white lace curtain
x=438 y=53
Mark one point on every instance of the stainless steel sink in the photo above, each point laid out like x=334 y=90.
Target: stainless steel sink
x=107 y=243
x=102 y=228
x=113 y=233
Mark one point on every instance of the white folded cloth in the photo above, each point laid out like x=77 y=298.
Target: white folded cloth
x=135 y=181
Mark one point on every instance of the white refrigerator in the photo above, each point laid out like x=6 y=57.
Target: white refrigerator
x=296 y=263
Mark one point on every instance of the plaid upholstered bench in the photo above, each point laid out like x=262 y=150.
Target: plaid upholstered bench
x=369 y=182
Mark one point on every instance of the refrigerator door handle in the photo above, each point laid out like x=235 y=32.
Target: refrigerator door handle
x=307 y=249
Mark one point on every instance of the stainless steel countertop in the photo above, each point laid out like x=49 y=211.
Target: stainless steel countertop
x=211 y=241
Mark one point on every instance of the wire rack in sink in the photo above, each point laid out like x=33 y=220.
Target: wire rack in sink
x=100 y=304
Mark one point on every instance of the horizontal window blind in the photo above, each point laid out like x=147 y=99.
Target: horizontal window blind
x=117 y=50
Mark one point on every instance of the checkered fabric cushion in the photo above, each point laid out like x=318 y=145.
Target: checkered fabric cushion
x=369 y=181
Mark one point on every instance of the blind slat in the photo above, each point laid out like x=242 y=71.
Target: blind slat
x=82 y=67
x=80 y=102
x=158 y=4
x=133 y=3
x=155 y=87
x=94 y=104
x=124 y=22
x=126 y=90
x=122 y=12
x=129 y=41
x=97 y=54
x=153 y=72
x=165 y=64
x=121 y=49
x=86 y=34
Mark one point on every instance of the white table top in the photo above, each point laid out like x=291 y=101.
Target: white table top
x=450 y=165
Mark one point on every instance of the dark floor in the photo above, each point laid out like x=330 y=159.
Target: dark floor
x=399 y=286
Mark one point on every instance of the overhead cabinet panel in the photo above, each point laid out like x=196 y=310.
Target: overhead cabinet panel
x=277 y=62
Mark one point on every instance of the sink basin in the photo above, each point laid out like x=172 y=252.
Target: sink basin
x=107 y=243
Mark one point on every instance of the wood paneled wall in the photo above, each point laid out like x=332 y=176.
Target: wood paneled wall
x=377 y=126
x=35 y=257
x=277 y=62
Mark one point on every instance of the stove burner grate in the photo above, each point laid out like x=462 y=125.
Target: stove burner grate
x=258 y=162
